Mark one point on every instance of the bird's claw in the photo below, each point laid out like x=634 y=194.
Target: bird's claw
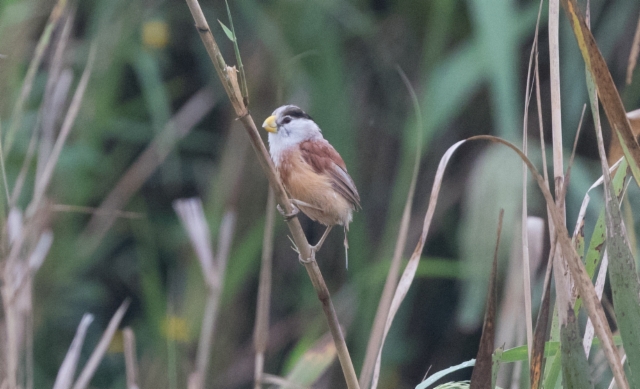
x=312 y=257
x=290 y=215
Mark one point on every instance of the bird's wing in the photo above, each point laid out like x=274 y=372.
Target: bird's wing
x=322 y=157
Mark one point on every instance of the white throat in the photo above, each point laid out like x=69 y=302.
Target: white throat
x=290 y=136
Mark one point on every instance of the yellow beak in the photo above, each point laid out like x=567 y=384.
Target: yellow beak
x=270 y=124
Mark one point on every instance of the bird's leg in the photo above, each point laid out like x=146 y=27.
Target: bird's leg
x=291 y=215
x=311 y=258
x=295 y=204
x=314 y=249
x=321 y=241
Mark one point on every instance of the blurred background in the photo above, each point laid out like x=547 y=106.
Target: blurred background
x=339 y=61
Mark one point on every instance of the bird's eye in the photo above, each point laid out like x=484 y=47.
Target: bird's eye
x=286 y=120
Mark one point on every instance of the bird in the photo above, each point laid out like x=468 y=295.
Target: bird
x=312 y=172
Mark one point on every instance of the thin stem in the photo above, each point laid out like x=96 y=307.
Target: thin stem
x=131 y=363
x=560 y=269
x=96 y=356
x=230 y=83
x=388 y=291
x=261 y=330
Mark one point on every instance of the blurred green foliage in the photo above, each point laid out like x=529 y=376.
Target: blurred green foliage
x=466 y=59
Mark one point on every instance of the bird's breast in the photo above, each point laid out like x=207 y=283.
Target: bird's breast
x=303 y=183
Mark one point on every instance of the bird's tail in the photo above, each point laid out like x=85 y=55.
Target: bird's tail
x=346 y=246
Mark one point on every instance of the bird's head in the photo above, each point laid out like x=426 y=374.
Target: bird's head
x=288 y=126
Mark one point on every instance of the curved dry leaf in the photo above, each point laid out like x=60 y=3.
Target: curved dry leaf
x=64 y=379
x=583 y=281
x=410 y=271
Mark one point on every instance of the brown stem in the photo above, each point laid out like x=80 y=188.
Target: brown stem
x=230 y=83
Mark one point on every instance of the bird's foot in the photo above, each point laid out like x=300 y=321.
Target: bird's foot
x=312 y=257
x=290 y=215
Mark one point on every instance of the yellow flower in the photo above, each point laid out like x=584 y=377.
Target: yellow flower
x=175 y=328
x=117 y=343
x=155 y=34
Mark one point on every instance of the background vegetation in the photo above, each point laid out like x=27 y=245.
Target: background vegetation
x=467 y=61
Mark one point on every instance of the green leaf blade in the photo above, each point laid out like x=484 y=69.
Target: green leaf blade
x=227 y=32
x=575 y=367
x=625 y=285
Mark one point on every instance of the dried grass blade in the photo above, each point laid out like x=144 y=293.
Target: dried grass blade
x=24 y=169
x=593 y=257
x=194 y=222
x=562 y=278
x=612 y=385
x=3 y=170
x=597 y=67
x=58 y=84
x=482 y=371
x=39 y=253
x=435 y=377
x=51 y=110
x=525 y=233
x=178 y=127
x=633 y=55
x=578 y=234
x=64 y=379
x=96 y=356
x=27 y=85
x=625 y=285
x=536 y=356
x=47 y=172
x=14 y=276
x=225 y=240
x=540 y=333
x=573 y=151
x=561 y=274
x=582 y=280
x=541 y=129
x=261 y=328
x=377 y=330
x=193 y=218
x=554 y=61
x=412 y=266
x=526 y=266
x=130 y=358
x=94 y=211
x=599 y=286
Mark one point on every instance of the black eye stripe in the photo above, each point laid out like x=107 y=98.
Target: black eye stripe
x=296 y=112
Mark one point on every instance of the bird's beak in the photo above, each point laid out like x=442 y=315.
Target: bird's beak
x=270 y=124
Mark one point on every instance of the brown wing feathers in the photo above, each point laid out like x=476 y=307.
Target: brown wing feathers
x=322 y=157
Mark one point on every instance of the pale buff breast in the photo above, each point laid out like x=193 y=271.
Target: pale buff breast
x=326 y=205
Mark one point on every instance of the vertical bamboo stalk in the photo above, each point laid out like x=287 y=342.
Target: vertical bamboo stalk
x=561 y=272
